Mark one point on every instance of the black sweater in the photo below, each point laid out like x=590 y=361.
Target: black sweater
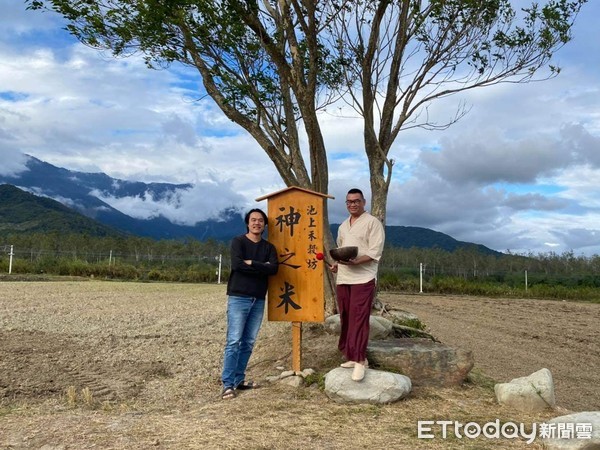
x=251 y=280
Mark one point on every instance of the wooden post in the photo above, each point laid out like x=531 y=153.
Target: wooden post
x=296 y=292
x=297 y=346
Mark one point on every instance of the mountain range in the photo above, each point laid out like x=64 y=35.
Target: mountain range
x=49 y=198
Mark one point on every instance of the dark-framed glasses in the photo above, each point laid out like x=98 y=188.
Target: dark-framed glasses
x=353 y=202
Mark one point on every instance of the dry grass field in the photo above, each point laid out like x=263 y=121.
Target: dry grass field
x=110 y=365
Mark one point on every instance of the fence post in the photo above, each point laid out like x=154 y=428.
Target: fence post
x=10 y=260
x=219 y=272
x=420 y=278
x=525 y=280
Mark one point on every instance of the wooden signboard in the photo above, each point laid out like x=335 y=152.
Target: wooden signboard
x=296 y=293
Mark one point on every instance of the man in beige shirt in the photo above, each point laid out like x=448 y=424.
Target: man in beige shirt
x=356 y=280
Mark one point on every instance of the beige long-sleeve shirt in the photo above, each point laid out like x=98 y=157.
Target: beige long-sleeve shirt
x=368 y=234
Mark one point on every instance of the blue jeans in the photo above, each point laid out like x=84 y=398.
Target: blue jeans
x=244 y=317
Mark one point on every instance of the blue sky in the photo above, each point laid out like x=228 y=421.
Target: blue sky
x=520 y=172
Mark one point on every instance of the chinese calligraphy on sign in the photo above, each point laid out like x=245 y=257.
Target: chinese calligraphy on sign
x=289 y=220
x=286 y=298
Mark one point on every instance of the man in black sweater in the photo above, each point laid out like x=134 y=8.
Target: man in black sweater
x=253 y=260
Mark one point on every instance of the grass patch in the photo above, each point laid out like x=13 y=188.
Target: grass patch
x=315 y=378
x=477 y=378
x=83 y=398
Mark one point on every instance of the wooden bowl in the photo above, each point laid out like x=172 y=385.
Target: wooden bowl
x=344 y=253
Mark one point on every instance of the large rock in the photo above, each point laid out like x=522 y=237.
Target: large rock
x=376 y=387
x=533 y=393
x=379 y=327
x=427 y=363
x=585 y=428
x=401 y=316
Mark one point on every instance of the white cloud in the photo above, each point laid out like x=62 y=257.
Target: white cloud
x=484 y=157
x=580 y=238
x=204 y=201
x=12 y=162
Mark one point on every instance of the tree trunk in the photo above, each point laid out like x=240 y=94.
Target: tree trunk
x=330 y=295
x=380 y=183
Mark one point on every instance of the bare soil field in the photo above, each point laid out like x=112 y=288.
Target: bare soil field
x=91 y=364
x=514 y=338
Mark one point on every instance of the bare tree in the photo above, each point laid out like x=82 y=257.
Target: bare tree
x=402 y=55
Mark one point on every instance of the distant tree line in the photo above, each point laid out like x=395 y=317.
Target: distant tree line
x=134 y=258
x=464 y=271
x=467 y=271
x=470 y=263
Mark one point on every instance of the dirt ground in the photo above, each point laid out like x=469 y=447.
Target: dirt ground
x=90 y=364
x=514 y=338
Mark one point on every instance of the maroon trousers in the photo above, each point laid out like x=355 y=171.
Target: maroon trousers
x=354 y=304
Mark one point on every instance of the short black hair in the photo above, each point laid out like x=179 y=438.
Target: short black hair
x=356 y=191
x=247 y=218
